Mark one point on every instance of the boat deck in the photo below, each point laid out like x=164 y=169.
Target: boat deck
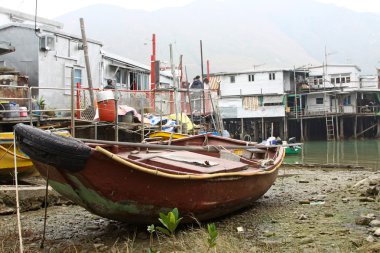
x=185 y=161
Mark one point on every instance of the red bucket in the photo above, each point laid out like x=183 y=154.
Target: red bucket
x=107 y=110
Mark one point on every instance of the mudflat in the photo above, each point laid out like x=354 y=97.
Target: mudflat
x=306 y=210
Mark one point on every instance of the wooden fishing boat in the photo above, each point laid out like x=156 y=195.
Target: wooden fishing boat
x=134 y=182
x=23 y=162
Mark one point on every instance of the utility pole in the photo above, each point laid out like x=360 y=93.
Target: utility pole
x=175 y=86
x=87 y=60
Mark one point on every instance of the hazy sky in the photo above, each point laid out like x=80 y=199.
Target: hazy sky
x=51 y=9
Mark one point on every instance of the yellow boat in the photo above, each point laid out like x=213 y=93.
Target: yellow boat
x=167 y=135
x=24 y=164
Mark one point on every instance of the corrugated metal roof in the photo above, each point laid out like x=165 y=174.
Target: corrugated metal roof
x=25 y=16
x=52 y=30
x=125 y=60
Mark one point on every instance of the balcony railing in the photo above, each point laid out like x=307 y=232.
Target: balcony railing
x=342 y=110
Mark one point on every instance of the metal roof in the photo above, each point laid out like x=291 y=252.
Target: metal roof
x=48 y=29
x=254 y=71
x=125 y=61
x=24 y=16
x=335 y=65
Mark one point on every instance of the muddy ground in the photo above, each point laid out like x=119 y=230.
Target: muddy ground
x=307 y=210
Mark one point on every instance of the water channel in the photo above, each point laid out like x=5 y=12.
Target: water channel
x=349 y=152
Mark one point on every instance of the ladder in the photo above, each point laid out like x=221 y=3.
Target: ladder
x=330 y=132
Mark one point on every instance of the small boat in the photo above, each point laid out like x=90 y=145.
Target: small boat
x=133 y=182
x=291 y=147
x=294 y=149
x=23 y=162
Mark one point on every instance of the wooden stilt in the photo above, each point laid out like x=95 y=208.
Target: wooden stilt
x=285 y=134
x=242 y=129
x=341 y=128
x=356 y=126
x=256 y=130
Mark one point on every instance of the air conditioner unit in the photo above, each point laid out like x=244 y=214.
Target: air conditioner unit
x=47 y=42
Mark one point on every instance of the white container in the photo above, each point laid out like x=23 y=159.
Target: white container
x=104 y=95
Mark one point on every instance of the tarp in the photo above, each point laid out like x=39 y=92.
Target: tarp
x=182 y=118
x=214 y=82
x=251 y=103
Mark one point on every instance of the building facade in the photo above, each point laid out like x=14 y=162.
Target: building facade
x=253 y=103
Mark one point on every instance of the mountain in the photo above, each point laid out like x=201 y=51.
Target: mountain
x=237 y=34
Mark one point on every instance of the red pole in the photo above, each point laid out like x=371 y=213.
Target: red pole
x=78 y=101
x=152 y=70
x=208 y=70
x=152 y=60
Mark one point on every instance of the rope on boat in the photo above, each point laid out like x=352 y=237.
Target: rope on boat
x=46 y=205
x=192 y=176
x=17 y=197
x=7 y=150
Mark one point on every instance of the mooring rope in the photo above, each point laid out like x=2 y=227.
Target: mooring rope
x=17 y=197
x=46 y=204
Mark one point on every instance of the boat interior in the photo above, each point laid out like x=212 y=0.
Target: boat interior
x=189 y=162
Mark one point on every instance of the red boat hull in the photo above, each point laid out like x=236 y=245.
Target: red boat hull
x=107 y=186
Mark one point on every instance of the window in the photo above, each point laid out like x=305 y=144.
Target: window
x=78 y=77
x=47 y=43
x=320 y=81
x=332 y=80
x=251 y=78
x=337 y=80
x=232 y=79
x=319 y=101
x=272 y=76
x=348 y=79
x=68 y=79
x=347 y=100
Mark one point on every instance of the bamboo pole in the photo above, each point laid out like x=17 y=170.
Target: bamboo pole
x=87 y=60
x=72 y=104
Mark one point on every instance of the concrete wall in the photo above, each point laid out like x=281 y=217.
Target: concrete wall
x=313 y=108
x=25 y=58
x=55 y=69
x=260 y=85
x=369 y=82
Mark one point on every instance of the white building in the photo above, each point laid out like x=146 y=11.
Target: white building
x=52 y=58
x=338 y=89
x=257 y=99
x=255 y=94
